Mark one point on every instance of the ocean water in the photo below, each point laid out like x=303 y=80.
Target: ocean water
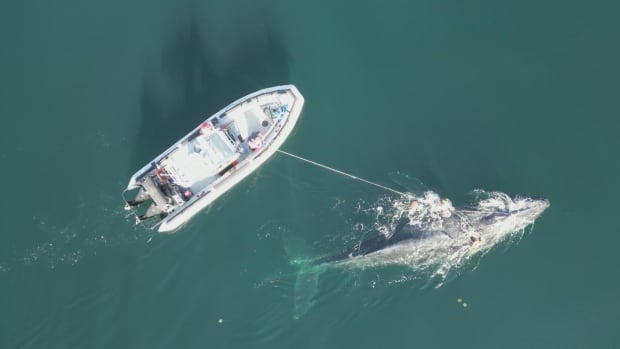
x=503 y=96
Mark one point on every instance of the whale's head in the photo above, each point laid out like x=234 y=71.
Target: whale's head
x=527 y=209
x=515 y=214
x=530 y=208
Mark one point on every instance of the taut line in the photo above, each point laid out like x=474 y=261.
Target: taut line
x=340 y=172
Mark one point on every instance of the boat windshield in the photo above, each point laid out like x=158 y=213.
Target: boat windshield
x=214 y=147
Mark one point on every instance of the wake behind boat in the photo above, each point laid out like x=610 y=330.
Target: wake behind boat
x=213 y=157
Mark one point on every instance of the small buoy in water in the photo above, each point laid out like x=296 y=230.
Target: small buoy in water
x=220 y=321
x=459 y=300
x=464 y=305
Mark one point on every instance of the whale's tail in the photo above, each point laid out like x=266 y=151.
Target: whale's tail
x=307 y=275
x=306 y=289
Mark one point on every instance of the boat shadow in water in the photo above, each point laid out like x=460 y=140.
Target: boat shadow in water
x=201 y=72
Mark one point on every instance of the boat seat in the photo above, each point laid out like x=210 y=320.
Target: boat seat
x=250 y=123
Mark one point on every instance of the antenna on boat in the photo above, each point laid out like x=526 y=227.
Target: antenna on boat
x=340 y=172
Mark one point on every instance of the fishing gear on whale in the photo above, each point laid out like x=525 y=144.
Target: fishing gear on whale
x=341 y=172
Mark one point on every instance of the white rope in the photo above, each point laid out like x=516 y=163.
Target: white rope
x=340 y=172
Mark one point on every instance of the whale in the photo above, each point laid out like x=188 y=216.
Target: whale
x=469 y=226
x=432 y=235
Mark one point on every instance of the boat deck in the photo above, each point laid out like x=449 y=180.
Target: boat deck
x=230 y=137
x=196 y=162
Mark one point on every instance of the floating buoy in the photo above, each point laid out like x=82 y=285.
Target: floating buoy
x=459 y=300
x=464 y=305
x=220 y=321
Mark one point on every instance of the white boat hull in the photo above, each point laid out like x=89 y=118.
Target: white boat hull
x=179 y=214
